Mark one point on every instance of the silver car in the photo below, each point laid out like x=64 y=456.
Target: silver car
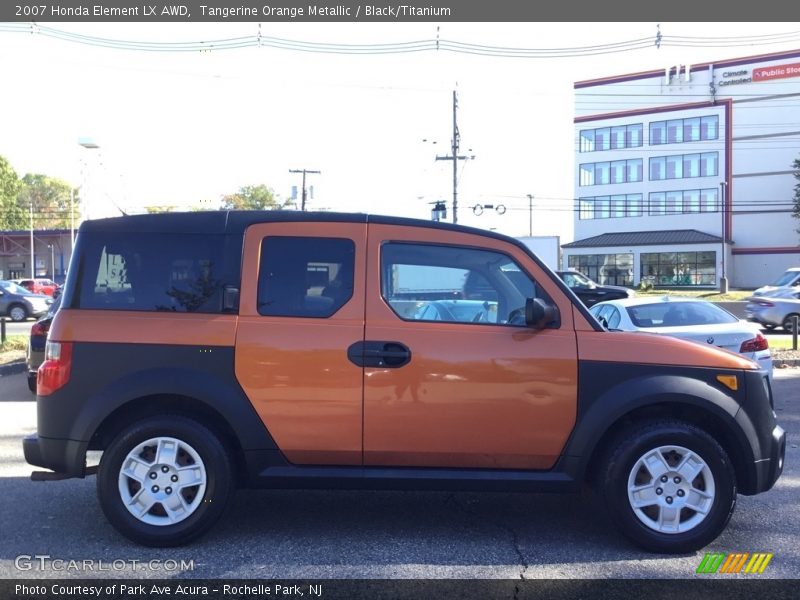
x=774 y=311
x=19 y=304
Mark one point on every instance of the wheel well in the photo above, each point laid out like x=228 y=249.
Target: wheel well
x=694 y=415
x=192 y=408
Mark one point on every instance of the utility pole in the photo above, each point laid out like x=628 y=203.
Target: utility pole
x=454 y=156
x=304 y=171
x=530 y=215
x=33 y=271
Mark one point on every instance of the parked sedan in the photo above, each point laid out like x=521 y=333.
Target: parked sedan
x=19 y=304
x=37 y=343
x=774 y=311
x=591 y=292
x=695 y=320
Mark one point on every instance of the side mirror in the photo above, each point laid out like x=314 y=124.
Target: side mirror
x=539 y=314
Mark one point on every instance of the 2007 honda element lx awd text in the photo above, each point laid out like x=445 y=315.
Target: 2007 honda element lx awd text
x=205 y=351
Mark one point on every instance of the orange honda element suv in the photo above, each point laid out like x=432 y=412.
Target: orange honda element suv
x=205 y=351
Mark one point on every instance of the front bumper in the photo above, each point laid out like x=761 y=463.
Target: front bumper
x=769 y=469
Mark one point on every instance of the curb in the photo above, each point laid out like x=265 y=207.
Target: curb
x=788 y=362
x=17 y=366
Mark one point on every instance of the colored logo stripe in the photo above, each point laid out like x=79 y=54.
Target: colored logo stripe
x=714 y=562
x=758 y=563
x=711 y=562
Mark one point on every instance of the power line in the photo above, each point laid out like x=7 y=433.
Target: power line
x=258 y=40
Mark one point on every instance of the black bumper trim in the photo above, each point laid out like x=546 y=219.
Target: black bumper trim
x=67 y=457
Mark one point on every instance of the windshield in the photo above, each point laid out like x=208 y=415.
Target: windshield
x=12 y=287
x=678 y=314
x=787 y=278
x=577 y=280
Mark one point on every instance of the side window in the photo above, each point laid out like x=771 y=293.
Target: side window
x=305 y=276
x=613 y=318
x=454 y=284
x=151 y=272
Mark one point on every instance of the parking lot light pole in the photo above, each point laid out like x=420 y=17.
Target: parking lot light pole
x=723 y=280
x=33 y=268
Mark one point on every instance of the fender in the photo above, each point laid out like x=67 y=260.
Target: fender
x=608 y=391
x=93 y=396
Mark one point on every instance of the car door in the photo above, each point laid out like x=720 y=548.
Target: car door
x=301 y=307
x=462 y=394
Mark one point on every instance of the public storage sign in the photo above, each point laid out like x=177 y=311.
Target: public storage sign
x=777 y=72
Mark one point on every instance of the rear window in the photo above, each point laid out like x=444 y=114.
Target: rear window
x=152 y=272
x=678 y=314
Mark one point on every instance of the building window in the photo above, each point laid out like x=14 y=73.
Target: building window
x=684 y=166
x=606 y=269
x=709 y=127
x=604 y=207
x=587 y=140
x=679 y=268
x=619 y=171
x=709 y=200
x=658 y=133
x=683 y=202
x=676 y=131
x=611 y=138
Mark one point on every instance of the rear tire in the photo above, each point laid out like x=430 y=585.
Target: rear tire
x=164 y=481
x=668 y=486
x=787 y=323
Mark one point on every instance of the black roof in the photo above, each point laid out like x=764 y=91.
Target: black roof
x=646 y=238
x=236 y=221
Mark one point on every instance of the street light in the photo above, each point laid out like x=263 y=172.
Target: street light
x=89 y=144
x=52 y=261
x=723 y=281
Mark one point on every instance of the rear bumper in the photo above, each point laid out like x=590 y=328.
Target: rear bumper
x=67 y=457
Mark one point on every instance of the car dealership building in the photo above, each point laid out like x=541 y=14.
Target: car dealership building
x=684 y=176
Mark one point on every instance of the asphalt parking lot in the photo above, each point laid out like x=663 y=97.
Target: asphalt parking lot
x=320 y=534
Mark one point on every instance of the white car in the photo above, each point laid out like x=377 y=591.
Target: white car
x=695 y=320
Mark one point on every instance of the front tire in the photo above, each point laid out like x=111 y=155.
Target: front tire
x=164 y=481
x=669 y=486
x=18 y=313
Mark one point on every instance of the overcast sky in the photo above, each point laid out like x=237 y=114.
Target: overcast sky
x=177 y=128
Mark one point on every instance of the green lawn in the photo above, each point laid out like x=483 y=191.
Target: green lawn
x=14 y=342
x=781 y=343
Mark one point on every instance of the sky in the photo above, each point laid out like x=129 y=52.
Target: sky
x=184 y=128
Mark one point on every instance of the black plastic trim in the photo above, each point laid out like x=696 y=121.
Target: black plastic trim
x=110 y=376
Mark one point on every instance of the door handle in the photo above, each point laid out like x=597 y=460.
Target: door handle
x=379 y=354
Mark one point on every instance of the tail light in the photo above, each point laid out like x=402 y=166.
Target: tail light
x=54 y=372
x=40 y=328
x=763 y=303
x=756 y=344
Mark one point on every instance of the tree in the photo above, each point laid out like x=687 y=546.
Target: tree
x=159 y=209
x=50 y=197
x=796 y=210
x=252 y=197
x=11 y=216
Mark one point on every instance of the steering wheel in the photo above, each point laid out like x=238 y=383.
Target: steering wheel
x=516 y=317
